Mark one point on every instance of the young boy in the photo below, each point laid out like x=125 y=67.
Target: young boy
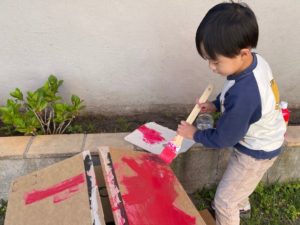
x=251 y=120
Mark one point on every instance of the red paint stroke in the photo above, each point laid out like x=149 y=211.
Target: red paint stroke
x=59 y=197
x=151 y=193
x=60 y=191
x=168 y=153
x=150 y=136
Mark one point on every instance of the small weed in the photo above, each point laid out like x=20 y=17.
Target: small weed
x=76 y=128
x=82 y=127
x=3 y=206
x=205 y=197
x=90 y=128
x=122 y=124
x=168 y=114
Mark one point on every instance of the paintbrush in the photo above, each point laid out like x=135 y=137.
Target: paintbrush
x=172 y=148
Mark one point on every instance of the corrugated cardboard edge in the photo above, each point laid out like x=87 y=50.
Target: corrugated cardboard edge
x=94 y=197
x=112 y=187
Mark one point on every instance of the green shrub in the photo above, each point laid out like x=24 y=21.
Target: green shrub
x=41 y=112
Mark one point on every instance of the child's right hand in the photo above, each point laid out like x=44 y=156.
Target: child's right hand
x=207 y=107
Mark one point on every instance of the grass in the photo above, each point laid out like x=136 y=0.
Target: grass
x=273 y=204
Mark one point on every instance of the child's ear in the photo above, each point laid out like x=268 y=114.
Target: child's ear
x=245 y=52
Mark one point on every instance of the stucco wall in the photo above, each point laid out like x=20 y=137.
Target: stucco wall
x=123 y=56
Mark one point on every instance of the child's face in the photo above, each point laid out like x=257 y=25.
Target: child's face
x=226 y=66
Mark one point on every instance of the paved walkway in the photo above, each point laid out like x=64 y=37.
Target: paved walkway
x=18 y=147
x=196 y=168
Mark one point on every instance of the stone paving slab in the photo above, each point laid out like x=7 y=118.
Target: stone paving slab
x=94 y=141
x=55 y=145
x=292 y=137
x=13 y=147
x=10 y=169
x=196 y=168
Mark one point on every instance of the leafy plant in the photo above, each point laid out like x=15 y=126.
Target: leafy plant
x=42 y=111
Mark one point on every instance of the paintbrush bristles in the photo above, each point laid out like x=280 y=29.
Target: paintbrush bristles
x=168 y=153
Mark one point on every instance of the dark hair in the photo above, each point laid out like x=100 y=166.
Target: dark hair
x=226 y=29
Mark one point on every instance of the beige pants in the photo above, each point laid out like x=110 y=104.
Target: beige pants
x=240 y=179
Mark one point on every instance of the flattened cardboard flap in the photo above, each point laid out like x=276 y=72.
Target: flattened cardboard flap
x=64 y=193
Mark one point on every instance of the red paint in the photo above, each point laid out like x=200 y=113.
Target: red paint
x=150 y=136
x=59 y=197
x=286 y=115
x=60 y=191
x=150 y=193
x=168 y=153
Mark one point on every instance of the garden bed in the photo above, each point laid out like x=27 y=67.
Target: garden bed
x=113 y=124
x=127 y=123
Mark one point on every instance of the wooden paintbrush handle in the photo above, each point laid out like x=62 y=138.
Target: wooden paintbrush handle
x=178 y=140
x=191 y=118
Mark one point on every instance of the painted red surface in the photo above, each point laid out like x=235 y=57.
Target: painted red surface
x=168 y=153
x=151 y=193
x=115 y=199
x=59 y=192
x=61 y=196
x=150 y=136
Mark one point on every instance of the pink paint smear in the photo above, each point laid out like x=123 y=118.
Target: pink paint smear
x=60 y=191
x=151 y=193
x=150 y=136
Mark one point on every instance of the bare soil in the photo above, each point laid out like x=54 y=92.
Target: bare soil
x=121 y=123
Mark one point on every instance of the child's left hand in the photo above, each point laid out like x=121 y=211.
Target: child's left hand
x=186 y=130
